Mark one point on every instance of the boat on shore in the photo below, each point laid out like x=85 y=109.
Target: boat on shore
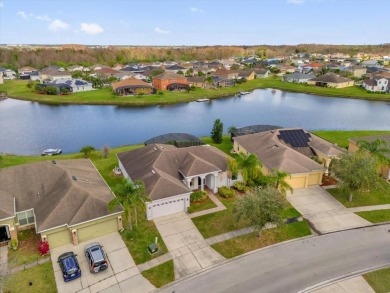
x=51 y=152
x=244 y=93
x=203 y=100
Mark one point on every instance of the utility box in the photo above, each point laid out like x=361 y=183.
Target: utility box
x=152 y=248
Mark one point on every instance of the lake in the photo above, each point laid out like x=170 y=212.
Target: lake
x=29 y=127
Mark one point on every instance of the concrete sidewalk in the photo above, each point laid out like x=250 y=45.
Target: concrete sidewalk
x=370 y=208
x=353 y=285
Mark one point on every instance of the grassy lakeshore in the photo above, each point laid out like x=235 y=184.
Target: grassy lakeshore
x=18 y=89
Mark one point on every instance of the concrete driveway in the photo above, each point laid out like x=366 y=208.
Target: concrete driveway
x=121 y=276
x=189 y=250
x=323 y=211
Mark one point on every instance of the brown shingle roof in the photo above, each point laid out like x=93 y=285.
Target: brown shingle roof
x=130 y=82
x=162 y=167
x=57 y=200
x=371 y=138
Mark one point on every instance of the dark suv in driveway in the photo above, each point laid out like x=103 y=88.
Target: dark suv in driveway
x=96 y=258
x=69 y=266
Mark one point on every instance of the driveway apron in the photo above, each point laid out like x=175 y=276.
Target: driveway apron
x=323 y=211
x=188 y=248
x=122 y=274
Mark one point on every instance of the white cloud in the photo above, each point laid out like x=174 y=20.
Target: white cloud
x=295 y=1
x=57 y=25
x=43 y=17
x=1 y=4
x=194 y=9
x=23 y=14
x=161 y=31
x=91 y=28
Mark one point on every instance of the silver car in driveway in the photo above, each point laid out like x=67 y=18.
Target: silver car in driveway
x=96 y=258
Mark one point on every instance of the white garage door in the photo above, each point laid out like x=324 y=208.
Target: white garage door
x=167 y=207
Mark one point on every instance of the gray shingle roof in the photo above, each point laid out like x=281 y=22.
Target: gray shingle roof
x=331 y=77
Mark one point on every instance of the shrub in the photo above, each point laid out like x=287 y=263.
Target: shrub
x=226 y=192
x=240 y=186
x=198 y=196
x=129 y=234
x=14 y=244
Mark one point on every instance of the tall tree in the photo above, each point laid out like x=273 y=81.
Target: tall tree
x=249 y=165
x=260 y=207
x=217 y=131
x=378 y=149
x=356 y=172
x=128 y=194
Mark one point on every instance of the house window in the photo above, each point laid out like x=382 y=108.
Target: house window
x=26 y=218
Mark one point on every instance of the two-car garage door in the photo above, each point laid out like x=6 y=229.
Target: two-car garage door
x=161 y=208
x=304 y=180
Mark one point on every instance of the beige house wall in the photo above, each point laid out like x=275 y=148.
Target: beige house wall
x=334 y=85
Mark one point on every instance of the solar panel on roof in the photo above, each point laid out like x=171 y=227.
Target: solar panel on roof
x=295 y=138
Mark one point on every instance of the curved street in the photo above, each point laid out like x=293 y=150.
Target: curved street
x=297 y=265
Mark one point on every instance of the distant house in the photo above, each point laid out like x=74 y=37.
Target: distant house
x=74 y=68
x=53 y=74
x=170 y=81
x=106 y=72
x=24 y=72
x=370 y=63
x=357 y=70
x=261 y=72
x=175 y=68
x=226 y=74
x=297 y=77
x=284 y=69
x=331 y=80
x=76 y=85
x=8 y=73
x=247 y=74
x=378 y=84
x=354 y=147
x=97 y=67
x=34 y=76
x=313 y=67
x=132 y=86
x=180 y=140
x=197 y=81
x=223 y=82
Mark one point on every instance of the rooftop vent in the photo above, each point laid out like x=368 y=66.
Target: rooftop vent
x=53 y=162
x=74 y=178
x=154 y=172
x=155 y=149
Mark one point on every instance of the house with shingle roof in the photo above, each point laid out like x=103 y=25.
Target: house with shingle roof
x=170 y=174
x=132 y=86
x=297 y=77
x=353 y=147
x=64 y=200
x=292 y=151
x=377 y=84
x=170 y=81
x=331 y=80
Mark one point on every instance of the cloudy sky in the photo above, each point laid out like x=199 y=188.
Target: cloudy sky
x=197 y=22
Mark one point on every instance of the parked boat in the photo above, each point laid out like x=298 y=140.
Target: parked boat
x=203 y=100
x=51 y=152
x=244 y=93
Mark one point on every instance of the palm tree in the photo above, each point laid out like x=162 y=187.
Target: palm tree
x=279 y=181
x=128 y=193
x=378 y=149
x=249 y=166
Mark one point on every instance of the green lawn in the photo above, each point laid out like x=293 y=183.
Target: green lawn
x=41 y=276
x=225 y=146
x=161 y=274
x=201 y=206
x=245 y=243
x=379 y=280
x=27 y=251
x=18 y=89
x=378 y=216
x=341 y=137
x=360 y=199
x=221 y=222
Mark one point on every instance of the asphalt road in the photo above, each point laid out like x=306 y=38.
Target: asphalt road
x=297 y=265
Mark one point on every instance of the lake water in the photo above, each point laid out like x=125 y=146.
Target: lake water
x=29 y=127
